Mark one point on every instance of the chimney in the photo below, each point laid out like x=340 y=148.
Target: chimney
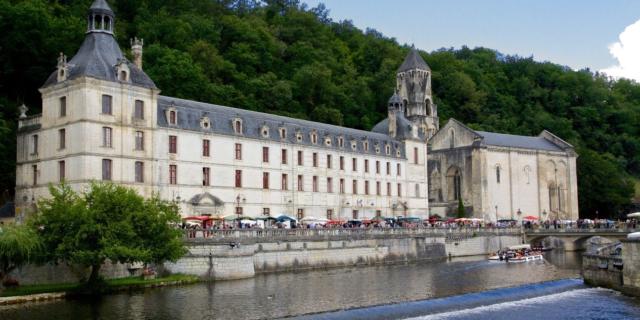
x=136 y=50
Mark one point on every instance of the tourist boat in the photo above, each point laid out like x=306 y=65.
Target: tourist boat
x=519 y=253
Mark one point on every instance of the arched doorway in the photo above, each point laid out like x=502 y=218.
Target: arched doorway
x=454 y=184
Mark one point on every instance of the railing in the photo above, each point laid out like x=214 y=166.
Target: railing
x=620 y=230
x=355 y=233
x=29 y=121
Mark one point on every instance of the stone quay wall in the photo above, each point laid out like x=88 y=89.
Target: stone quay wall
x=235 y=254
x=619 y=272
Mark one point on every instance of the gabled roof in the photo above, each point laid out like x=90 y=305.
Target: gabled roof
x=515 y=141
x=413 y=60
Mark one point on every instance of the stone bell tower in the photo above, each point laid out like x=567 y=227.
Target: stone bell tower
x=413 y=85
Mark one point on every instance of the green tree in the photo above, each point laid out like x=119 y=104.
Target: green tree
x=108 y=222
x=461 y=211
x=18 y=245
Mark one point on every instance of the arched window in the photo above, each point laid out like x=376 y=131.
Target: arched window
x=527 y=174
x=454 y=184
x=123 y=75
x=237 y=126
x=172 y=117
x=452 y=139
x=427 y=105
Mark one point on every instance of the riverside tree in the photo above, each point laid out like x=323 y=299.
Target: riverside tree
x=18 y=245
x=108 y=222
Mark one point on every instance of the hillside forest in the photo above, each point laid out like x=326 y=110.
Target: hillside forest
x=280 y=56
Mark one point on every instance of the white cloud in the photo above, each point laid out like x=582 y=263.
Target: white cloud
x=627 y=52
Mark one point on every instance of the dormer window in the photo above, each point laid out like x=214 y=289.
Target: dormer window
x=377 y=149
x=205 y=123
x=122 y=70
x=283 y=133
x=341 y=142
x=299 y=136
x=173 y=117
x=327 y=141
x=314 y=137
x=63 y=67
x=387 y=149
x=265 y=131
x=354 y=145
x=365 y=145
x=237 y=125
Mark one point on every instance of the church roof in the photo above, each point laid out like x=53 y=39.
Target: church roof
x=100 y=5
x=515 y=141
x=403 y=127
x=413 y=60
x=221 y=117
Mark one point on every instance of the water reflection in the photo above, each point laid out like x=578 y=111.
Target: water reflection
x=283 y=294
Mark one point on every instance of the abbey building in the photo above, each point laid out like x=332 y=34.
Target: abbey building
x=103 y=118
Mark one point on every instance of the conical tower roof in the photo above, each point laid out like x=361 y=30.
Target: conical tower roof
x=413 y=61
x=100 y=6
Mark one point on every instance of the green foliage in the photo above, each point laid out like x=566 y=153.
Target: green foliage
x=107 y=222
x=18 y=246
x=284 y=58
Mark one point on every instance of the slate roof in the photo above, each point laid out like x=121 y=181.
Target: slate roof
x=403 y=127
x=97 y=58
x=221 y=119
x=515 y=141
x=413 y=60
x=100 y=6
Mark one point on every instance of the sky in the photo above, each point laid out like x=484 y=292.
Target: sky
x=600 y=35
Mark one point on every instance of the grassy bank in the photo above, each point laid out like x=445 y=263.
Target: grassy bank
x=112 y=284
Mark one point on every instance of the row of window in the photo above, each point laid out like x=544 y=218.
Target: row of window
x=107 y=107
x=172 y=117
x=206 y=143
x=355 y=214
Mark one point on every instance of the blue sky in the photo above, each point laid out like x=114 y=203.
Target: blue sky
x=576 y=33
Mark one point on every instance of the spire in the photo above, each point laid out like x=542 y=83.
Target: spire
x=413 y=61
x=100 y=17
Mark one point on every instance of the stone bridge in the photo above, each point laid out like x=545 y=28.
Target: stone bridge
x=573 y=239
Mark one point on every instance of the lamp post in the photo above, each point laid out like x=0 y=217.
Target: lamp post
x=238 y=207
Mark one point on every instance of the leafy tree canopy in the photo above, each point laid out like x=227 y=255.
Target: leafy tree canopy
x=18 y=246
x=107 y=222
x=282 y=57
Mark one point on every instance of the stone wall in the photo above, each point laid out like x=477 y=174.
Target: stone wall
x=459 y=246
x=62 y=273
x=631 y=272
x=602 y=270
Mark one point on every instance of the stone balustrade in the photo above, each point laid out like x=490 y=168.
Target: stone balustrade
x=263 y=235
x=30 y=121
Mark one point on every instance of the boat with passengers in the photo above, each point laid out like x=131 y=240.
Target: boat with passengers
x=518 y=253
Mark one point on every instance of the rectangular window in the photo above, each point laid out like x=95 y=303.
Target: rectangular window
x=34 y=144
x=62 y=172
x=300 y=183
x=238 y=151
x=106 y=169
x=354 y=214
x=388 y=168
x=366 y=165
x=265 y=180
x=238 y=178
x=329 y=214
x=139 y=172
x=377 y=167
x=300 y=214
x=284 y=182
x=378 y=188
x=206 y=176
x=106 y=137
x=284 y=156
x=415 y=155
x=366 y=187
x=62 y=138
x=265 y=154
x=341 y=163
x=266 y=211
x=173 y=174
x=330 y=185
x=138 y=111
x=205 y=148
x=63 y=106
x=34 y=170
x=315 y=183
x=172 y=117
x=354 y=164
x=398 y=169
x=239 y=211
x=354 y=186
x=139 y=140
x=173 y=144
x=107 y=104
x=300 y=162
x=315 y=159
x=389 y=189
x=399 y=190
x=329 y=165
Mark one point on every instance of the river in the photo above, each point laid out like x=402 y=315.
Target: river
x=469 y=288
